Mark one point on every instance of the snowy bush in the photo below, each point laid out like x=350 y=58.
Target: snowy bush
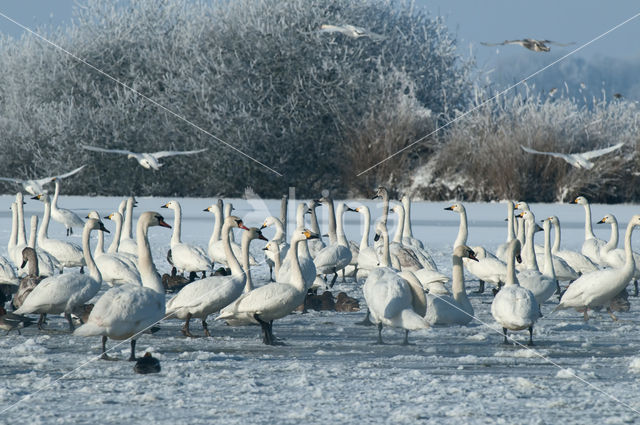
x=316 y=107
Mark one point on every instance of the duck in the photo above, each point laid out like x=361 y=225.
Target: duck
x=591 y=246
x=456 y=309
x=389 y=296
x=337 y=255
x=598 y=289
x=174 y=282
x=125 y=311
x=272 y=301
x=62 y=293
x=514 y=307
x=62 y=215
x=186 y=257
x=345 y=303
x=147 y=364
x=209 y=295
x=67 y=254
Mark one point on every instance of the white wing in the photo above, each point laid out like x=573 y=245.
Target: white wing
x=69 y=174
x=162 y=154
x=598 y=152
x=121 y=151
x=9 y=179
x=564 y=156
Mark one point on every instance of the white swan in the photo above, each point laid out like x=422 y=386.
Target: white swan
x=129 y=259
x=529 y=43
x=62 y=215
x=148 y=160
x=67 y=254
x=407 y=231
x=35 y=186
x=7 y=273
x=388 y=296
x=501 y=251
x=283 y=274
x=542 y=286
x=17 y=239
x=367 y=257
x=578 y=261
x=125 y=311
x=597 y=289
x=456 y=309
x=315 y=245
x=215 y=249
x=613 y=256
x=127 y=244
x=337 y=255
x=591 y=245
x=350 y=31
x=114 y=270
x=46 y=263
x=423 y=257
x=201 y=298
x=62 y=293
x=278 y=238
x=514 y=307
x=272 y=301
x=186 y=257
x=577 y=160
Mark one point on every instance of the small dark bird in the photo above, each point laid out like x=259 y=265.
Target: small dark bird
x=147 y=364
x=221 y=271
x=346 y=303
x=174 y=282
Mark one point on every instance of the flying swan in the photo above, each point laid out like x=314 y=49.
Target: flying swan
x=578 y=160
x=147 y=160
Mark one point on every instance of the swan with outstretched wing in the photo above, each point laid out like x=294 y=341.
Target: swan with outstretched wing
x=35 y=186
x=578 y=160
x=148 y=160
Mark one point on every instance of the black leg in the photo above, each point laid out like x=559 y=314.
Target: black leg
x=132 y=357
x=406 y=338
x=558 y=290
x=635 y=286
x=81 y=270
x=504 y=331
x=205 y=327
x=270 y=273
x=43 y=316
x=480 y=286
x=70 y=320
x=104 y=355
x=333 y=281
x=192 y=276
x=366 y=321
x=530 y=336
x=344 y=279
x=380 y=334
x=204 y=274
x=266 y=334
x=185 y=327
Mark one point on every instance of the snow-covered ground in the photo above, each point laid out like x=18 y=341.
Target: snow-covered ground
x=330 y=372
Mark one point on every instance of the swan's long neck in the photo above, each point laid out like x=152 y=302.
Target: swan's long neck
x=115 y=243
x=463 y=230
x=613 y=240
x=399 y=209
x=56 y=194
x=629 y=262
x=280 y=234
x=366 y=226
x=548 y=269
x=88 y=259
x=100 y=245
x=217 y=225
x=385 y=207
x=314 y=222
x=22 y=236
x=588 y=229
x=148 y=273
x=14 y=227
x=177 y=225
x=340 y=237
x=557 y=237
x=33 y=269
x=511 y=267
x=407 y=232
x=43 y=233
x=276 y=259
x=232 y=261
x=458 y=286
x=33 y=232
x=128 y=220
x=297 y=280
x=511 y=233
x=521 y=228
x=532 y=263
x=246 y=241
x=300 y=211
x=284 y=203
x=385 y=261
x=333 y=239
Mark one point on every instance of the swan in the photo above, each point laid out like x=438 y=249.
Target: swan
x=315 y=245
x=215 y=249
x=127 y=243
x=29 y=282
x=542 y=286
x=577 y=160
x=35 y=187
x=529 y=43
x=206 y=296
x=488 y=268
x=186 y=257
x=456 y=309
x=129 y=259
x=279 y=238
x=591 y=246
x=423 y=257
x=337 y=255
x=148 y=160
x=614 y=257
x=7 y=273
x=367 y=257
x=62 y=293
x=514 y=307
x=578 y=261
x=407 y=232
x=125 y=311
x=272 y=301
x=389 y=296
x=17 y=233
x=114 y=270
x=501 y=251
x=46 y=263
x=67 y=254
x=598 y=288
x=64 y=216
x=350 y=31
x=283 y=273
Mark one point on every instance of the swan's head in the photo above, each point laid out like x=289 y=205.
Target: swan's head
x=635 y=220
x=304 y=234
x=234 y=221
x=581 y=200
x=44 y=197
x=464 y=251
x=115 y=216
x=381 y=192
x=174 y=205
x=93 y=214
x=269 y=221
x=527 y=215
x=28 y=254
x=362 y=209
x=457 y=207
x=95 y=224
x=522 y=205
x=272 y=247
x=609 y=218
x=381 y=229
x=254 y=233
x=153 y=219
x=553 y=220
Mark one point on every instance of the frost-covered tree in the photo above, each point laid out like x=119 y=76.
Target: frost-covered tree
x=317 y=107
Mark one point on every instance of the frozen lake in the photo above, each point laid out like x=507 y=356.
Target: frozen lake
x=330 y=372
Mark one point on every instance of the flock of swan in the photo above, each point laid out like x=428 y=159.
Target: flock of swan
x=400 y=282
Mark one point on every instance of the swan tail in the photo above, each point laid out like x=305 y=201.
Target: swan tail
x=89 y=329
